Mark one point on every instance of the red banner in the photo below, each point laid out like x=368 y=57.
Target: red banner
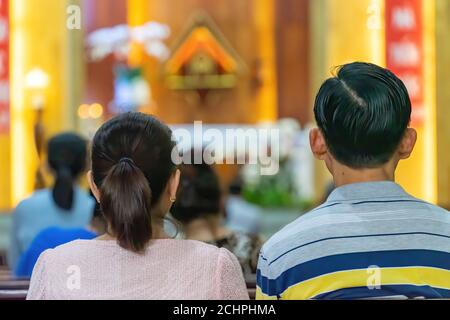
x=4 y=67
x=404 y=50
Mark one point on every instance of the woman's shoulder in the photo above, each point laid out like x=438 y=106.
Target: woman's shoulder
x=71 y=248
x=195 y=247
x=84 y=251
x=36 y=199
x=189 y=246
x=211 y=252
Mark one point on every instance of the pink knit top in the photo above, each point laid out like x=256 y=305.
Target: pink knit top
x=169 y=269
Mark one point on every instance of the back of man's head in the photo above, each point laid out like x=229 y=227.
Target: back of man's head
x=363 y=113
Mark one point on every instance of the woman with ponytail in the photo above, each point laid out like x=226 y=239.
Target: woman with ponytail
x=64 y=205
x=135 y=183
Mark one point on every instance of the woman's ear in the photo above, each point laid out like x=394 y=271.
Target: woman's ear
x=93 y=186
x=173 y=184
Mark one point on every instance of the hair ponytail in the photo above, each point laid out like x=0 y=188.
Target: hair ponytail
x=63 y=189
x=67 y=158
x=131 y=189
x=126 y=203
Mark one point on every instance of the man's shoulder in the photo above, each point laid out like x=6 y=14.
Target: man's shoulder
x=320 y=223
x=430 y=208
x=436 y=209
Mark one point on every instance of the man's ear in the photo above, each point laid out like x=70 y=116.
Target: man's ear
x=93 y=186
x=407 y=144
x=318 y=145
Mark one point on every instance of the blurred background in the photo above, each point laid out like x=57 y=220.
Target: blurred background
x=69 y=65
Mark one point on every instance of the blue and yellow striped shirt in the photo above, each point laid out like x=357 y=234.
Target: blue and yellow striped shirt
x=368 y=240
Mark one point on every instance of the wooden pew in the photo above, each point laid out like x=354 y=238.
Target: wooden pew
x=252 y=294
x=13 y=294
x=2 y=259
x=250 y=280
x=14 y=289
x=17 y=289
x=14 y=285
x=5 y=275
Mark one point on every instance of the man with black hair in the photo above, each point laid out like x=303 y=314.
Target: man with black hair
x=370 y=239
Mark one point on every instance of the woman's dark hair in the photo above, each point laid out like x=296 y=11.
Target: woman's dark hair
x=67 y=158
x=363 y=113
x=199 y=193
x=235 y=187
x=131 y=166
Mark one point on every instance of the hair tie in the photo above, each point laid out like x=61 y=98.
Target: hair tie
x=128 y=160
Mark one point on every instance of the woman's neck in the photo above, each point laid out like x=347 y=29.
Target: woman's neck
x=205 y=229
x=158 y=232
x=199 y=230
x=344 y=175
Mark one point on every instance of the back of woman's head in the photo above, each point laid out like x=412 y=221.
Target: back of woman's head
x=199 y=193
x=67 y=159
x=131 y=166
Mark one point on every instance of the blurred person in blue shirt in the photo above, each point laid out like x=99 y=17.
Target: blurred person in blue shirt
x=64 y=205
x=241 y=215
x=53 y=237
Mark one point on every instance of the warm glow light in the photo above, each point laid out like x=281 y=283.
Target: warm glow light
x=83 y=111
x=36 y=79
x=39 y=77
x=96 y=111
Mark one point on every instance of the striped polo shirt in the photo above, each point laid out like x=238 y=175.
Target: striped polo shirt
x=367 y=241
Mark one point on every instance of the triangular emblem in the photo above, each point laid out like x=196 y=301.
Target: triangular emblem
x=202 y=58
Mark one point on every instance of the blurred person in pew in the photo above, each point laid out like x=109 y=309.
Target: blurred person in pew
x=53 y=237
x=370 y=239
x=135 y=181
x=64 y=205
x=199 y=210
x=241 y=216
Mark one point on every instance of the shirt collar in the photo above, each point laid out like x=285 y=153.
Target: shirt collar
x=368 y=190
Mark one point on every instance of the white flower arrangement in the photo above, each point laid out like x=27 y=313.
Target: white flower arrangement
x=117 y=40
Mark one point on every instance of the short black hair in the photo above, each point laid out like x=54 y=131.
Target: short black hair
x=363 y=113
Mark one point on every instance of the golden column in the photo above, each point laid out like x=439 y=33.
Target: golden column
x=5 y=173
x=44 y=86
x=5 y=138
x=266 y=101
x=443 y=100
